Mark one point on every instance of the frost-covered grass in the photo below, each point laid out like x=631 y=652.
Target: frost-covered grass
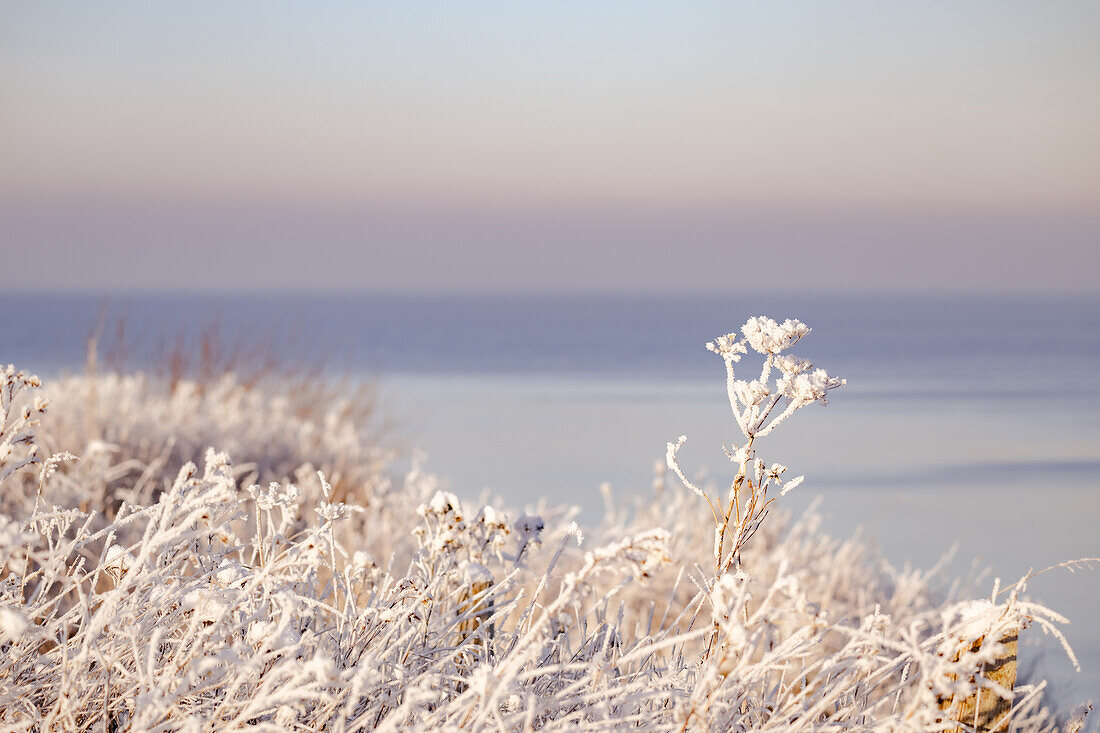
x=149 y=583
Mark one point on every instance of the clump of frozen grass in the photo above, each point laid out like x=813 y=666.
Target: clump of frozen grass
x=210 y=602
x=134 y=432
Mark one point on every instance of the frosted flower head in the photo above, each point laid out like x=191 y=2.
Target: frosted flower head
x=529 y=526
x=441 y=504
x=806 y=388
x=217 y=465
x=766 y=336
x=490 y=517
x=276 y=496
x=18 y=376
x=791 y=365
x=729 y=347
x=332 y=512
x=751 y=393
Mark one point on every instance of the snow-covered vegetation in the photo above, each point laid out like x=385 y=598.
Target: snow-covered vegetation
x=221 y=555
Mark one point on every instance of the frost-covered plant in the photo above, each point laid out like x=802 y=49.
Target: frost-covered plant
x=213 y=603
x=17 y=426
x=786 y=384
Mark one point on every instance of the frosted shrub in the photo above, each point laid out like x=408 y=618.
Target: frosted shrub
x=204 y=601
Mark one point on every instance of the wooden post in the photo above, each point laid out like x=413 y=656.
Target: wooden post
x=985 y=711
x=482 y=606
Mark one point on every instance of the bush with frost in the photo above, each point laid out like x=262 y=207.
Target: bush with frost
x=264 y=597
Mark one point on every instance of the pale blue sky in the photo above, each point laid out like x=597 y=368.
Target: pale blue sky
x=472 y=146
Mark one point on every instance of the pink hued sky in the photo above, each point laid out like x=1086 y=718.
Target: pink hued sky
x=471 y=147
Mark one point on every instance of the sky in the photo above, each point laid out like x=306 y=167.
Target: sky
x=513 y=146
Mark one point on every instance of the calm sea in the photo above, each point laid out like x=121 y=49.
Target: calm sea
x=966 y=420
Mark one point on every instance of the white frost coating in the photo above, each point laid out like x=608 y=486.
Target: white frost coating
x=790 y=365
x=792 y=484
x=751 y=393
x=231 y=574
x=807 y=388
x=13 y=624
x=673 y=464
x=972 y=620
x=11 y=535
x=118 y=559
x=205 y=604
x=268 y=633
x=473 y=572
x=765 y=336
x=442 y=502
x=491 y=516
x=728 y=347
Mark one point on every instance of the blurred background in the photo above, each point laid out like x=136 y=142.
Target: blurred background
x=524 y=220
